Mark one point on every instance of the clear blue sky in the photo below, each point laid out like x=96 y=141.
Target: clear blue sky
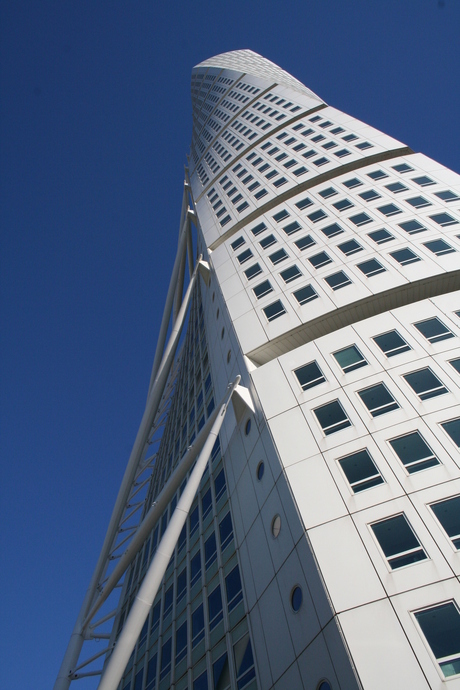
x=95 y=125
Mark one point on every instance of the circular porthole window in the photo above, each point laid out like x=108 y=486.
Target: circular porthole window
x=229 y=356
x=276 y=526
x=222 y=334
x=260 y=470
x=217 y=315
x=324 y=685
x=247 y=427
x=296 y=598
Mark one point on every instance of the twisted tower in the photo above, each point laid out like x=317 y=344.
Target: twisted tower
x=290 y=514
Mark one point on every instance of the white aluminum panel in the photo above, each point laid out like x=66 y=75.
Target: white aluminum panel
x=345 y=565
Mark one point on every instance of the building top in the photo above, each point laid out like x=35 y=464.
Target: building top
x=249 y=62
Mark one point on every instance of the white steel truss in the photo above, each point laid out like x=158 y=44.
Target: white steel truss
x=127 y=531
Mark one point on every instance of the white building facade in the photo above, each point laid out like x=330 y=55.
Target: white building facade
x=321 y=550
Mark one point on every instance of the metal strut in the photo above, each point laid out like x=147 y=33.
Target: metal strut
x=164 y=358
x=154 y=576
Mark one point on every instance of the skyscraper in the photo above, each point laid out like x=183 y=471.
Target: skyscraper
x=320 y=550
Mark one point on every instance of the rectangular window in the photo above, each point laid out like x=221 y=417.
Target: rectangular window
x=439 y=247
x=332 y=230
x=361 y=219
x=371 y=268
x=168 y=602
x=262 y=289
x=206 y=504
x=321 y=161
x=151 y=673
x=447 y=196
x=309 y=375
x=290 y=274
x=197 y=625
x=402 y=168
x=418 y=202
x=370 y=195
x=448 y=514
x=350 y=137
x=278 y=256
x=391 y=343
x=316 y=216
x=349 y=359
x=244 y=662
x=332 y=417
x=305 y=242
x=300 y=171
x=396 y=187
x=292 y=228
x=326 y=193
x=181 y=642
x=165 y=659
x=412 y=227
x=305 y=294
x=304 y=203
x=342 y=153
x=260 y=194
x=273 y=311
x=281 y=215
x=351 y=184
x=279 y=182
x=441 y=627
x=398 y=542
x=210 y=550
x=195 y=568
x=338 y=280
x=221 y=673
x=267 y=241
x=225 y=531
x=425 y=384
x=423 y=181
x=258 y=229
x=350 y=247
x=360 y=471
x=194 y=520
x=456 y=364
x=220 y=485
x=238 y=243
x=389 y=210
x=378 y=400
x=405 y=256
x=343 y=205
x=253 y=271
x=453 y=429
x=444 y=219
x=233 y=588
x=414 y=452
x=215 y=608
x=181 y=585
x=434 y=330
x=244 y=256
x=381 y=236
x=321 y=259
